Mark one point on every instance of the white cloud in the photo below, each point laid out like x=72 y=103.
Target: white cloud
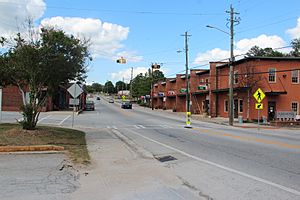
x=295 y=32
x=241 y=47
x=126 y=74
x=211 y=55
x=263 y=41
x=106 y=38
x=14 y=15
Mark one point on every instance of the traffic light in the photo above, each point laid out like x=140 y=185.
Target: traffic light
x=121 y=60
x=155 y=66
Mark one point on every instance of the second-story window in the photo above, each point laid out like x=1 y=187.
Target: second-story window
x=295 y=76
x=272 y=75
x=236 y=77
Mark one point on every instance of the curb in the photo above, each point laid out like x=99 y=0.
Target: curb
x=134 y=146
x=31 y=148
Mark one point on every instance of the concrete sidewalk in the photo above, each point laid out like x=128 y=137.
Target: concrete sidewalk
x=217 y=120
x=119 y=171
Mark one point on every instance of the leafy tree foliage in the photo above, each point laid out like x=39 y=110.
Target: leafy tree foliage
x=97 y=87
x=120 y=85
x=141 y=84
x=42 y=66
x=296 y=47
x=266 y=52
x=109 y=87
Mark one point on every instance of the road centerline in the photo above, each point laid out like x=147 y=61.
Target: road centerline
x=258 y=140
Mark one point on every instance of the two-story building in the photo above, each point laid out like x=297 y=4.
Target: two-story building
x=277 y=77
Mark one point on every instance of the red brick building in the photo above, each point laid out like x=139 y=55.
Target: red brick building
x=278 y=78
x=12 y=99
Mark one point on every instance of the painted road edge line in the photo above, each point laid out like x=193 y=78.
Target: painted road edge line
x=60 y=123
x=44 y=118
x=290 y=190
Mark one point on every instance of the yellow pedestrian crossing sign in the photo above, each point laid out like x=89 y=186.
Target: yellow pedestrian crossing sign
x=259 y=95
x=259 y=106
x=123 y=97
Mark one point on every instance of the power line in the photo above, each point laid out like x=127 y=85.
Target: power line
x=120 y=11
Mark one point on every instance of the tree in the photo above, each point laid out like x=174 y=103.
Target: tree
x=158 y=76
x=97 y=87
x=109 y=87
x=41 y=66
x=141 y=85
x=296 y=47
x=248 y=79
x=266 y=52
x=120 y=85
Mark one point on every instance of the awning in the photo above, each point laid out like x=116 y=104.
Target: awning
x=275 y=93
x=199 y=93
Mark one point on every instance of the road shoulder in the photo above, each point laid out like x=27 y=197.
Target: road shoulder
x=118 y=171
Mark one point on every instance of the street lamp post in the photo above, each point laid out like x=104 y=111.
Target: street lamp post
x=231 y=61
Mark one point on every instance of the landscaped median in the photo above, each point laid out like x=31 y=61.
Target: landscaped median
x=13 y=138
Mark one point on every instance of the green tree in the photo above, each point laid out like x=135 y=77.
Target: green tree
x=266 y=52
x=158 y=76
x=141 y=85
x=42 y=66
x=120 y=85
x=89 y=89
x=97 y=87
x=296 y=47
x=109 y=87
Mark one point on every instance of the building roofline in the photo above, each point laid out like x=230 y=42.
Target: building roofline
x=246 y=59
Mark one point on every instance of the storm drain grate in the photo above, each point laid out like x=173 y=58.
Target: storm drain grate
x=165 y=158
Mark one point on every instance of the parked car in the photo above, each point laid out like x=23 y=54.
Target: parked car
x=97 y=98
x=111 y=101
x=90 y=105
x=126 y=104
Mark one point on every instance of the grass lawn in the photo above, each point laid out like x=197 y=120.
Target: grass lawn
x=72 y=140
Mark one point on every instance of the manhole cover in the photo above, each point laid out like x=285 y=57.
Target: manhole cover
x=165 y=158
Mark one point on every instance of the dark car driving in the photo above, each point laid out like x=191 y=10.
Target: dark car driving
x=90 y=105
x=126 y=105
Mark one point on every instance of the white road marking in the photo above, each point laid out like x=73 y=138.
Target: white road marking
x=114 y=127
x=60 y=123
x=290 y=190
x=141 y=126
x=44 y=118
x=137 y=127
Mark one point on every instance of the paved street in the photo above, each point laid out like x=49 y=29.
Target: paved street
x=219 y=162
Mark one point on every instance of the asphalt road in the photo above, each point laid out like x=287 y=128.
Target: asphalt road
x=220 y=161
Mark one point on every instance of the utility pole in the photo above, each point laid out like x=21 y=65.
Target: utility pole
x=152 y=88
x=188 y=112
x=231 y=62
x=131 y=82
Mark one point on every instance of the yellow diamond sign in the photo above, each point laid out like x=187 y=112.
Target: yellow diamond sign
x=259 y=95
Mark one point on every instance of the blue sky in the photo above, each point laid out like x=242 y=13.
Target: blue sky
x=146 y=32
